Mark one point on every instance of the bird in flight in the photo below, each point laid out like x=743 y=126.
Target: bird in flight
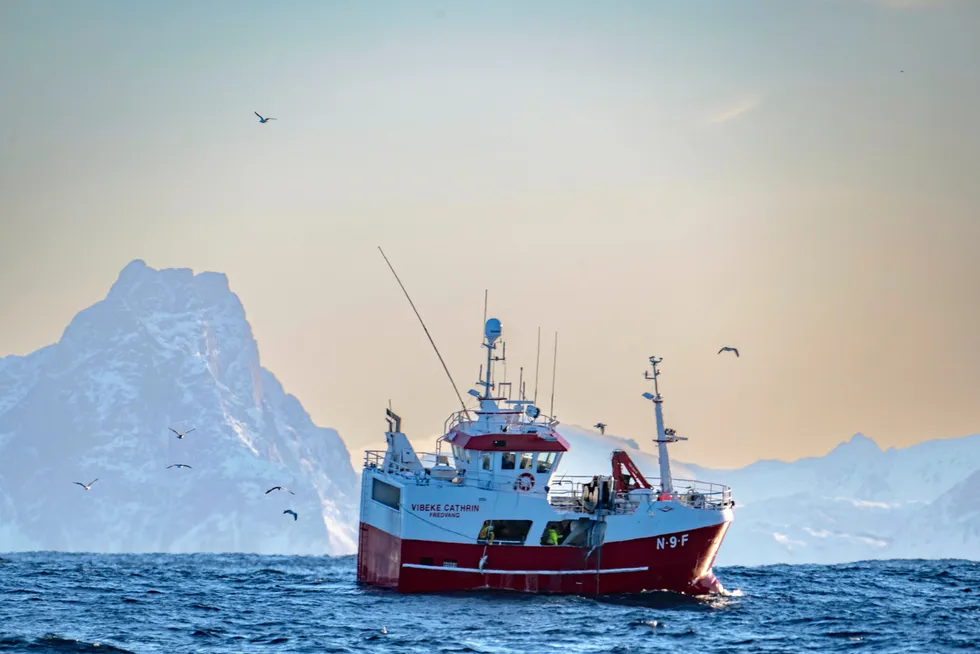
x=261 y=119
x=601 y=426
x=178 y=465
x=292 y=513
x=87 y=486
x=179 y=435
x=729 y=349
x=279 y=488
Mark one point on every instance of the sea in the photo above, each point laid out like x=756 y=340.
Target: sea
x=56 y=602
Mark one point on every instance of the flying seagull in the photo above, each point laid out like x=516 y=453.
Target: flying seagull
x=261 y=119
x=279 y=488
x=601 y=426
x=87 y=486
x=729 y=349
x=179 y=435
x=292 y=513
x=178 y=465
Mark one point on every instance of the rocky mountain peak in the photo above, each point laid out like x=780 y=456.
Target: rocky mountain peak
x=165 y=348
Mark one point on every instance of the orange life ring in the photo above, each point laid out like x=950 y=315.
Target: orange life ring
x=524 y=482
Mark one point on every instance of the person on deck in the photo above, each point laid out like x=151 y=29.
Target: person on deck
x=550 y=536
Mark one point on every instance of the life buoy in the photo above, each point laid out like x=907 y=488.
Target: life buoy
x=524 y=482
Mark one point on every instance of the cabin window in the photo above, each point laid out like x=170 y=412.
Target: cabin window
x=505 y=531
x=467 y=453
x=527 y=460
x=386 y=493
x=562 y=529
x=486 y=461
x=545 y=461
x=508 y=460
x=426 y=560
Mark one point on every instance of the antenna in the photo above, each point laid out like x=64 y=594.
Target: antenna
x=554 y=369
x=504 y=357
x=537 y=363
x=426 y=329
x=486 y=296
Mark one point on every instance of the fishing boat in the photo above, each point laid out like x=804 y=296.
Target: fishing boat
x=486 y=510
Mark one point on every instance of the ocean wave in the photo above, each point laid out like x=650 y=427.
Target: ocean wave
x=233 y=603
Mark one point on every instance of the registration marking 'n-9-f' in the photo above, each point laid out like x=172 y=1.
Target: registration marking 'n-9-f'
x=663 y=542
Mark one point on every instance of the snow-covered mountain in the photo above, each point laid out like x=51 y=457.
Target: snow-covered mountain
x=948 y=527
x=166 y=348
x=856 y=502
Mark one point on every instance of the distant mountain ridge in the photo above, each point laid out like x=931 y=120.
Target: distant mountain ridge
x=168 y=348
x=165 y=348
x=856 y=502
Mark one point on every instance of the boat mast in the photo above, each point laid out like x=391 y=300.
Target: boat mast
x=664 y=436
x=492 y=331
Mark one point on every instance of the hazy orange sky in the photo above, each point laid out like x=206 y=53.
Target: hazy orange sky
x=797 y=179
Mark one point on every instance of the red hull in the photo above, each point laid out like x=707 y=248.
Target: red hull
x=633 y=566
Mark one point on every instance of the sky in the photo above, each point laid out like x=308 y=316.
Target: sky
x=795 y=179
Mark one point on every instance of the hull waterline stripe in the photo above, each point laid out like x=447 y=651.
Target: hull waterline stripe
x=524 y=572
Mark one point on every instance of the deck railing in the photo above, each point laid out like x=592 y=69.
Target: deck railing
x=376 y=459
x=456 y=419
x=517 y=424
x=689 y=492
x=701 y=494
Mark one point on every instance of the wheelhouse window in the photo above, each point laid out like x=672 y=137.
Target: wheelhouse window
x=386 y=494
x=545 y=461
x=505 y=531
x=527 y=460
x=508 y=460
x=486 y=462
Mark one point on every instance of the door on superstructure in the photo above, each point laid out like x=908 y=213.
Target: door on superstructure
x=486 y=464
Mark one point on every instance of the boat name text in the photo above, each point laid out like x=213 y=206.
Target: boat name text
x=444 y=510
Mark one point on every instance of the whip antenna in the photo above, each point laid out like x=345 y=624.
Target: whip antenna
x=408 y=297
x=537 y=364
x=554 y=368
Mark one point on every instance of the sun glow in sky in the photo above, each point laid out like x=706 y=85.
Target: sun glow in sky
x=796 y=179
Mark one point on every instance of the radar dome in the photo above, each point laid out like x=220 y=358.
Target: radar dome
x=492 y=330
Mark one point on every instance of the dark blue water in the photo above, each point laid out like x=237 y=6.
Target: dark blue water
x=243 y=603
